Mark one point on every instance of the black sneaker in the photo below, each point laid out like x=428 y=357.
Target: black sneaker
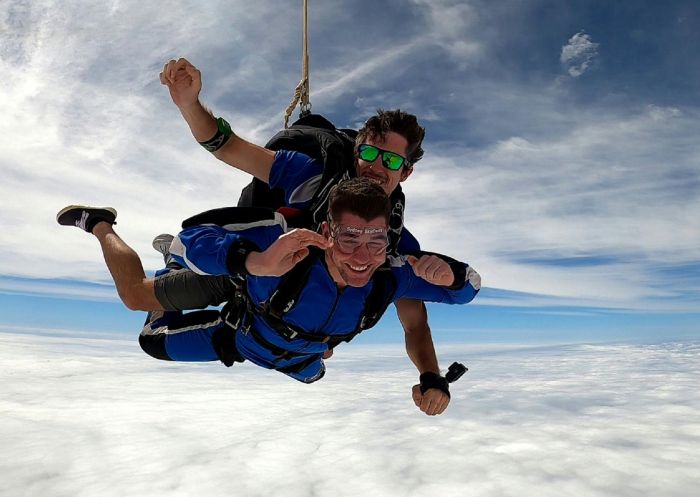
x=85 y=217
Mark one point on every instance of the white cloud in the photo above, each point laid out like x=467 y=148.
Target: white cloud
x=578 y=55
x=450 y=26
x=98 y=417
x=97 y=293
x=610 y=188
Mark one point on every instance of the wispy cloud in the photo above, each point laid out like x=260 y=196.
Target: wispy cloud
x=450 y=26
x=578 y=54
x=61 y=289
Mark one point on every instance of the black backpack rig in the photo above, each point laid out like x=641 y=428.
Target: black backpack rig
x=317 y=137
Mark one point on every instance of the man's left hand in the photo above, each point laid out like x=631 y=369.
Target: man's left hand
x=432 y=269
x=433 y=402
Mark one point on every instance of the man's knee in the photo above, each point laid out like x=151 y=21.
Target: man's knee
x=154 y=345
x=140 y=297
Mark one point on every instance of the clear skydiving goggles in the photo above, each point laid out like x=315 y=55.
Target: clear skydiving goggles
x=350 y=238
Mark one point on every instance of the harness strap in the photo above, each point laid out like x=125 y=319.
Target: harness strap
x=299 y=366
x=279 y=352
x=398 y=203
x=225 y=346
x=379 y=298
x=288 y=290
x=239 y=313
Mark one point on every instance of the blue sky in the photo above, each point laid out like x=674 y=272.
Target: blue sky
x=562 y=158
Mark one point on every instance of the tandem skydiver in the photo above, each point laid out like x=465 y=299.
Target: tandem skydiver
x=340 y=273
x=385 y=150
x=177 y=290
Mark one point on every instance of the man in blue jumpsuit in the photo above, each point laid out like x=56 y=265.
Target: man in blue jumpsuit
x=388 y=147
x=332 y=301
x=392 y=142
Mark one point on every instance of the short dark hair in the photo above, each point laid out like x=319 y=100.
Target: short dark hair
x=358 y=196
x=398 y=121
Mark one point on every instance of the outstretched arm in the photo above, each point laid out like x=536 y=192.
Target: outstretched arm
x=184 y=81
x=438 y=278
x=421 y=351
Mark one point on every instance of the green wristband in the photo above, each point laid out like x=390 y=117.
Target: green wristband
x=223 y=133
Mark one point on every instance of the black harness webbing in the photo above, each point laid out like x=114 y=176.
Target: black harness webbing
x=238 y=313
x=317 y=137
x=299 y=366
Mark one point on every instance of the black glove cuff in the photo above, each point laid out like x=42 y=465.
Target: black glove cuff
x=433 y=380
x=459 y=269
x=237 y=254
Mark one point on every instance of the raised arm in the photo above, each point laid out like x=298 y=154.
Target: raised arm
x=184 y=81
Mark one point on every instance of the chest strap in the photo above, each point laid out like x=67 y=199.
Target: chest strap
x=283 y=300
x=239 y=311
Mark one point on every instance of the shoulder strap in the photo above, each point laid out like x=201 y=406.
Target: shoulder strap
x=379 y=298
x=291 y=286
x=398 y=203
x=376 y=303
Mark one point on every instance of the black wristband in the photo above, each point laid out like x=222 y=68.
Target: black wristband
x=223 y=133
x=237 y=254
x=433 y=380
x=459 y=270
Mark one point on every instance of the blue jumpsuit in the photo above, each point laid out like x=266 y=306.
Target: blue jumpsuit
x=321 y=307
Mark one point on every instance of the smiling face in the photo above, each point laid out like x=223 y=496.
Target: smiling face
x=375 y=171
x=354 y=262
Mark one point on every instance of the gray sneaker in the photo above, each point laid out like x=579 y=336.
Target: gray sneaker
x=85 y=217
x=161 y=243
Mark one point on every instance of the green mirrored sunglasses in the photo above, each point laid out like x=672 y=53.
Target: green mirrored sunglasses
x=390 y=160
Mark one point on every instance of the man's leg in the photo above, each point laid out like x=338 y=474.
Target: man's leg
x=134 y=289
x=197 y=336
x=174 y=290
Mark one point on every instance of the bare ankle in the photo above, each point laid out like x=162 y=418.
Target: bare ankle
x=102 y=228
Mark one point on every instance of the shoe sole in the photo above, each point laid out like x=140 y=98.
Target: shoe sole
x=162 y=240
x=71 y=207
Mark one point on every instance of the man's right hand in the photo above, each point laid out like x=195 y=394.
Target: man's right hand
x=183 y=80
x=433 y=402
x=285 y=253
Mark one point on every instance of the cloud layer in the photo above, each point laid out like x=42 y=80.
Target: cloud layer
x=89 y=416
